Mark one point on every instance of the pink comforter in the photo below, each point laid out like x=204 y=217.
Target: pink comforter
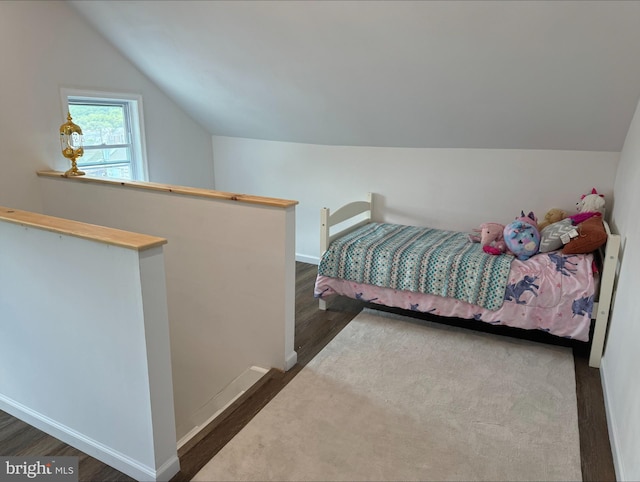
x=550 y=292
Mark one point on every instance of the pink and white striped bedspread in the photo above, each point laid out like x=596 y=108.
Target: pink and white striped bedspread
x=550 y=292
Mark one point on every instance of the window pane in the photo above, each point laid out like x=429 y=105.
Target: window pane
x=100 y=124
x=102 y=156
x=120 y=171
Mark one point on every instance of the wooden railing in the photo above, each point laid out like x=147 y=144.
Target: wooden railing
x=170 y=188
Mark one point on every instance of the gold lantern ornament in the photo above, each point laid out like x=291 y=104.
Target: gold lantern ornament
x=71 y=143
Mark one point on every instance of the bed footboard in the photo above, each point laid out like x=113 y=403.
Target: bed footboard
x=601 y=310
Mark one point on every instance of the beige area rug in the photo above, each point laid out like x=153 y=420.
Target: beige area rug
x=391 y=398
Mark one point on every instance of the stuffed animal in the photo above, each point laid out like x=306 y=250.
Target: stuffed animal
x=553 y=216
x=491 y=238
x=522 y=236
x=592 y=202
x=590 y=205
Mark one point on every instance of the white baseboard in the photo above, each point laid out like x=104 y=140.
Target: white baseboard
x=303 y=258
x=167 y=470
x=214 y=407
x=91 y=447
x=291 y=360
x=611 y=424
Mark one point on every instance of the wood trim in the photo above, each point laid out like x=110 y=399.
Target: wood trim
x=173 y=189
x=92 y=232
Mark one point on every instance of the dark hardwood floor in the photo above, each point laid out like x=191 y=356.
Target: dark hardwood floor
x=314 y=329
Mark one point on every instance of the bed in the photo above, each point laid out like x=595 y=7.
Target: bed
x=440 y=272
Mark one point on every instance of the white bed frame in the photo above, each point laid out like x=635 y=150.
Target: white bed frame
x=601 y=307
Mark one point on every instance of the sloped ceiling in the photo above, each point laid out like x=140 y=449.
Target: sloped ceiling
x=528 y=75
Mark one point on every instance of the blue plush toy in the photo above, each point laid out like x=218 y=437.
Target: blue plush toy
x=522 y=237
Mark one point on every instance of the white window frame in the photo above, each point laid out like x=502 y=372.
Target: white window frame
x=139 y=166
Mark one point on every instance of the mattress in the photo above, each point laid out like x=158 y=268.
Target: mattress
x=551 y=292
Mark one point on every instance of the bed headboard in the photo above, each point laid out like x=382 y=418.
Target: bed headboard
x=342 y=215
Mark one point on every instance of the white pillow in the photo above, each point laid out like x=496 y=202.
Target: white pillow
x=550 y=235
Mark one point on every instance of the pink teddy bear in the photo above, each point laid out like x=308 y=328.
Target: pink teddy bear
x=491 y=238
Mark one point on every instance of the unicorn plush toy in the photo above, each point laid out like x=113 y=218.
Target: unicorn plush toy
x=522 y=236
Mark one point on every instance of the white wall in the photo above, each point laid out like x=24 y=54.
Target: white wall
x=230 y=272
x=84 y=350
x=447 y=188
x=622 y=355
x=46 y=45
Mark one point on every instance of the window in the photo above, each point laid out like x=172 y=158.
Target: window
x=113 y=133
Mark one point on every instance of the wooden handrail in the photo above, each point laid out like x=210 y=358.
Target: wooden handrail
x=184 y=190
x=101 y=234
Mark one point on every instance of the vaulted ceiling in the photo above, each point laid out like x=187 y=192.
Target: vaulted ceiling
x=476 y=74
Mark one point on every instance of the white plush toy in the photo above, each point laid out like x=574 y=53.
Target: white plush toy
x=592 y=202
